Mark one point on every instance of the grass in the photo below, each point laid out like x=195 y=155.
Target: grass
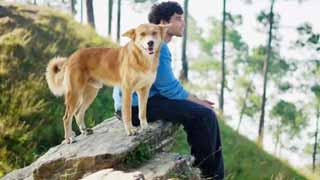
x=243 y=159
x=29 y=37
x=141 y=154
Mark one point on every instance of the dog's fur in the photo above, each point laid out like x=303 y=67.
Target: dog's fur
x=132 y=67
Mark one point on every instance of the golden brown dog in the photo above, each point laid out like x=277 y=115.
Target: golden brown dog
x=132 y=67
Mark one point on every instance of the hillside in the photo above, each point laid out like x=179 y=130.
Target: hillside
x=30 y=116
x=244 y=159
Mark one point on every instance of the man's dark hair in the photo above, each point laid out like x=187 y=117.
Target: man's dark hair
x=164 y=11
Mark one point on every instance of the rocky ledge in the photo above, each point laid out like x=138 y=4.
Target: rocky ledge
x=109 y=147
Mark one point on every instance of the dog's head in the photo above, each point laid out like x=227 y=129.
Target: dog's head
x=148 y=37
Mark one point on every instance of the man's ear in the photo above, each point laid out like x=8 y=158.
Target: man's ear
x=130 y=33
x=164 y=29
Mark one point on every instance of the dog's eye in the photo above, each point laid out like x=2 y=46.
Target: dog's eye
x=142 y=34
x=154 y=33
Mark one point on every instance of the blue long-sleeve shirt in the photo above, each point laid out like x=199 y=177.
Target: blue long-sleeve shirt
x=165 y=83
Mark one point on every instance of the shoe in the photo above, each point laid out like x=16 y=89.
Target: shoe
x=210 y=177
x=207 y=178
x=118 y=115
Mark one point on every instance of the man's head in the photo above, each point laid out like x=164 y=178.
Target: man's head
x=168 y=13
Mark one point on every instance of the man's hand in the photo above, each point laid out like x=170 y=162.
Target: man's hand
x=205 y=103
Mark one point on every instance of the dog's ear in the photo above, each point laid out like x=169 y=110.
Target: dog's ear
x=164 y=29
x=130 y=33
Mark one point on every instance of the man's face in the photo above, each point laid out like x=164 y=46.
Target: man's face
x=177 y=25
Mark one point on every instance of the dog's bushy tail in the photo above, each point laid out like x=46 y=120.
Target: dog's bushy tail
x=55 y=75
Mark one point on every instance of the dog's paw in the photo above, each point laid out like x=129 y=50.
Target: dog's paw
x=87 y=131
x=138 y=176
x=131 y=131
x=144 y=125
x=69 y=140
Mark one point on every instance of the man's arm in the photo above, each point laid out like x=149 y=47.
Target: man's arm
x=205 y=103
x=171 y=88
x=166 y=83
x=168 y=86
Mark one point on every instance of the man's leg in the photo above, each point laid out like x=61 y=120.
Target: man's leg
x=201 y=126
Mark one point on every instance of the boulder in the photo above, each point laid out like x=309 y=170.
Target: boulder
x=107 y=147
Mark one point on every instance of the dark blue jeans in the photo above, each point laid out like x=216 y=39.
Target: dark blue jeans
x=200 y=124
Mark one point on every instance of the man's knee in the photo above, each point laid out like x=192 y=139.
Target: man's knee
x=209 y=114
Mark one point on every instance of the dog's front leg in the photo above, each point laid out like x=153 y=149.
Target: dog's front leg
x=143 y=99
x=126 y=111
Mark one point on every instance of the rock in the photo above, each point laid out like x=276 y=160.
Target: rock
x=111 y=174
x=169 y=165
x=162 y=166
x=107 y=147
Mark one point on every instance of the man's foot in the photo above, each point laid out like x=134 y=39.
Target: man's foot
x=207 y=178
x=210 y=177
x=118 y=116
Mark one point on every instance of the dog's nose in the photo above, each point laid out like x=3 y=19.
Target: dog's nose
x=150 y=43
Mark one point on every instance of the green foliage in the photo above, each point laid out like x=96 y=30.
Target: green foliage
x=181 y=145
x=316 y=90
x=205 y=63
x=181 y=174
x=233 y=19
x=278 y=66
x=246 y=66
x=141 y=154
x=194 y=32
x=308 y=38
x=284 y=86
x=30 y=116
x=247 y=99
x=263 y=18
x=309 y=148
x=243 y=158
x=211 y=39
x=291 y=119
x=253 y=105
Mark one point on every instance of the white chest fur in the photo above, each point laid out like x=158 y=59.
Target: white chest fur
x=145 y=79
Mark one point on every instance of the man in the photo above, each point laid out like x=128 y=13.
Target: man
x=169 y=101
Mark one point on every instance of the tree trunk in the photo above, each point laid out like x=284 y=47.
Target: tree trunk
x=184 y=71
x=110 y=17
x=118 y=21
x=281 y=148
x=278 y=134
x=81 y=11
x=90 y=14
x=276 y=146
x=72 y=7
x=221 y=101
x=315 y=147
x=265 y=77
x=244 y=105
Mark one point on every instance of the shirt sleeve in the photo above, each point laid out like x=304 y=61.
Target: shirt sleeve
x=166 y=83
